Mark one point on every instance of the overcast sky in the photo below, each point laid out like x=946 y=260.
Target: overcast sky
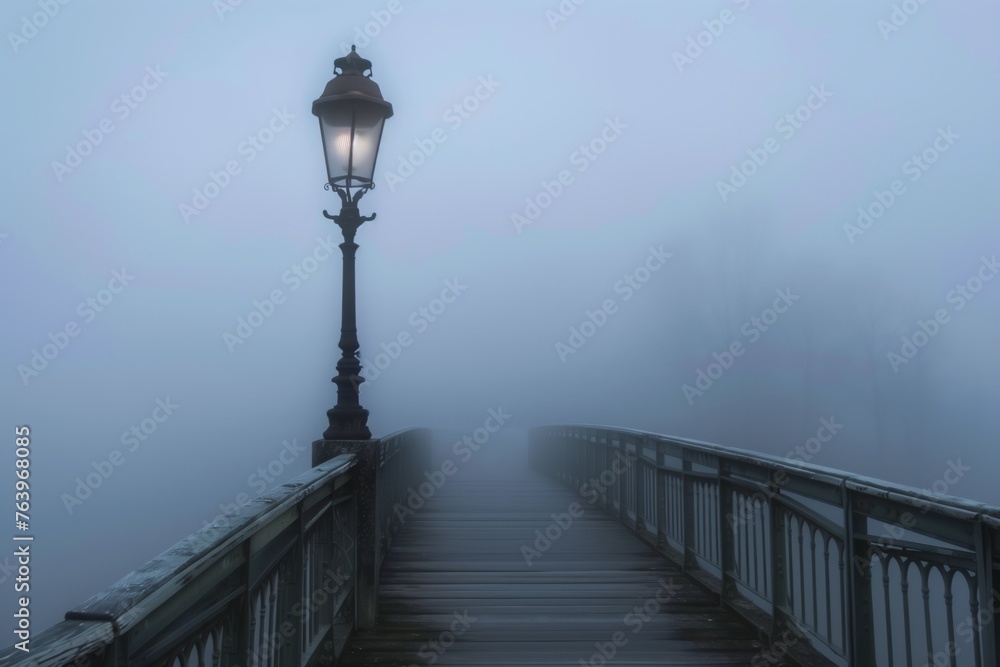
x=744 y=222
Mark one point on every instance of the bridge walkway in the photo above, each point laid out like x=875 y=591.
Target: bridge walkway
x=469 y=582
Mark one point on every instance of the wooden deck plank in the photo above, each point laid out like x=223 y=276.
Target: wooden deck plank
x=456 y=575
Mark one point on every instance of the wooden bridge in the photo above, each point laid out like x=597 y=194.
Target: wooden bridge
x=579 y=546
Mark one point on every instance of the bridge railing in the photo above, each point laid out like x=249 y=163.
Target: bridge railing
x=278 y=582
x=831 y=568
x=384 y=476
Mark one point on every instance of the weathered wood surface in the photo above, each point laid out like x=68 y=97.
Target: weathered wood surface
x=460 y=557
x=79 y=643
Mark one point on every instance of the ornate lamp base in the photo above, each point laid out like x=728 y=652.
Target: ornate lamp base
x=347 y=423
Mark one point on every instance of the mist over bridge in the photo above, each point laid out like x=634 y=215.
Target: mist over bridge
x=572 y=545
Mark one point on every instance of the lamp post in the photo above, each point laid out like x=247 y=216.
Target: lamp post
x=351 y=114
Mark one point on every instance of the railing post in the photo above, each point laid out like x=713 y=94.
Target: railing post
x=579 y=465
x=858 y=605
x=988 y=595
x=661 y=498
x=564 y=472
x=779 y=564
x=366 y=453
x=639 y=483
x=619 y=487
x=687 y=486
x=296 y=598
x=586 y=472
x=727 y=537
x=236 y=645
x=597 y=464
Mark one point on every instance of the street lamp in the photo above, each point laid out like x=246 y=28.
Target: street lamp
x=351 y=114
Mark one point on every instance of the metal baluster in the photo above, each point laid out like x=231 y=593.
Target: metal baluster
x=925 y=592
x=716 y=491
x=986 y=581
x=720 y=522
x=829 y=592
x=211 y=659
x=279 y=607
x=255 y=630
x=904 y=570
x=265 y=627
x=802 y=568
x=679 y=508
x=710 y=522
x=768 y=546
x=651 y=489
x=745 y=529
x=740 y=537
x=631 y=488
x=713 y=523
x=949 y=581
x=668 y=492
x=790 y=568
x=739 y=542
x=307 y=575
x=812 y=571
x=696 y=523
x=662 y=516
x=884 y=564
x=678 y=483
x=704 y=518
x=671 y=504
x=779 y=570
x=752 y=527
x=843 y=598
x=708 y=518
x=644 y=494
x=974 y=611
x=218 y=642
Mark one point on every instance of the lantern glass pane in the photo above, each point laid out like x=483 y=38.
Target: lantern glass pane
x=351 y=136
x=369 y=120
x=335 y=125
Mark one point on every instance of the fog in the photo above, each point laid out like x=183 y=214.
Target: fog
x=765 y=226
